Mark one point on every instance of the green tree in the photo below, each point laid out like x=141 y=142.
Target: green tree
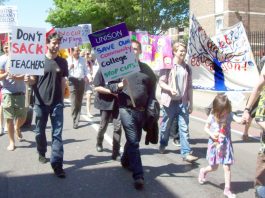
x=157 y=15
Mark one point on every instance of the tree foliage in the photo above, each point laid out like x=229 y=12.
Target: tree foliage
x=157 y=15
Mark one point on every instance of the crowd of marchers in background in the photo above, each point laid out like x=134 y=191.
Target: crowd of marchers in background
x=127 y=102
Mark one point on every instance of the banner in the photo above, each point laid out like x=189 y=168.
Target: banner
x=27 y=52
x=85 y=31
x=156 y=50
x=227 y=65
x=71 y=36
x=113 y=51
x=8 y=18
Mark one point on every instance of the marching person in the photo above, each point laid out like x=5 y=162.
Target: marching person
x=49 y=92
x=107 y=103
x=143 y=87
x=13 y=100
x=77 y=79
x=177 y=101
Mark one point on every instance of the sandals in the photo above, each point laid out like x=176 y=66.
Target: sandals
x=19 y=135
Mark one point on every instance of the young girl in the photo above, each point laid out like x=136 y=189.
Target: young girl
x=220 y=150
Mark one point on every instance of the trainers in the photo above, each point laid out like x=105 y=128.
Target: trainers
x=201 y=178
x=59 y=172
x=99 y=148
x=139 y=184
x=176 y=142
x=228 y=193
x=42 y=159
x=90 y=115
x=162 y=149
x=190 y=158
x=116 y=157
x=2 y=131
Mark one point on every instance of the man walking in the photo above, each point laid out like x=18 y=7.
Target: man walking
x=77 y=79
x=143 y=87
x=49 y=90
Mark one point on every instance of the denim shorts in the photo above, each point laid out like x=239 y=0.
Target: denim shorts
x=14 y=106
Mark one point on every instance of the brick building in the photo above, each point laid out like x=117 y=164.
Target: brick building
x=215 y=15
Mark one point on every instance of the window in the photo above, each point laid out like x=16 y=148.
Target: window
x=219 y=24
x=219 y=6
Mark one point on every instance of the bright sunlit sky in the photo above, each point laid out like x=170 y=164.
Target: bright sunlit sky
x=32 y=13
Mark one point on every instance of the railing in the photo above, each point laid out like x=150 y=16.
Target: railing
x=257 y=43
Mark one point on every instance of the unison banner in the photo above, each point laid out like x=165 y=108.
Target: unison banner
x=27 y=51
x=114 y=52
x=226 y=65
x=156 y=50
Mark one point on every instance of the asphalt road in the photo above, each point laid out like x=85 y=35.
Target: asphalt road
x=93 y=174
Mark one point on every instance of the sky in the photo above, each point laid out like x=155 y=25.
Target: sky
x=32 y=13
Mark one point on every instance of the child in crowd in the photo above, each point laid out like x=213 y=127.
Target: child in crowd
x=220 y=150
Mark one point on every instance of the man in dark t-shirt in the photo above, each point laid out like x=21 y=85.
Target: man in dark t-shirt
x=142 y=86
x=48 y=90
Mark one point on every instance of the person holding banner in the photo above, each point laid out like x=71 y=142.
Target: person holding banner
x=177 y=101
x=142 y=86
x=13 y=99
x=49 y=90
x=77 y=79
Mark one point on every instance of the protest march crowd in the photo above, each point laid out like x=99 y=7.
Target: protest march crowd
x=125 y=94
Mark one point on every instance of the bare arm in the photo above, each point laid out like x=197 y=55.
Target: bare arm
x=253 y=97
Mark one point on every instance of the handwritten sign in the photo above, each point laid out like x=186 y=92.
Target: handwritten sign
x=71 y=36
x=85 y=31
x=114 y=53
x=223 y=65
x=8 y=18
x=27 y=51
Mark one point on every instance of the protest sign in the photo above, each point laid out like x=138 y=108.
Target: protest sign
x=222 y=66
x=71 y=36
x=114 y=53
x=27 y=52
x=85 y=31
x=8 y=18
x=156 y=50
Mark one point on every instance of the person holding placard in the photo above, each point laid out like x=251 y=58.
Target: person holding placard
x=107 y=103
x=13 y=99
x=142 y=86
x=177 y=101
x=77 y=79
x=49 y=92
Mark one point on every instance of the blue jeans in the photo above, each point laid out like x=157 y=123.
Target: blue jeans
x=132 y=122
x=177 y=110
x=56 y=115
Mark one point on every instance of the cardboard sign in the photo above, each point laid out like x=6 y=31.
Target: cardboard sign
x=8 y=18
x=27 y=51
x=114 y=52
x=85 y=31
x=71 y=36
